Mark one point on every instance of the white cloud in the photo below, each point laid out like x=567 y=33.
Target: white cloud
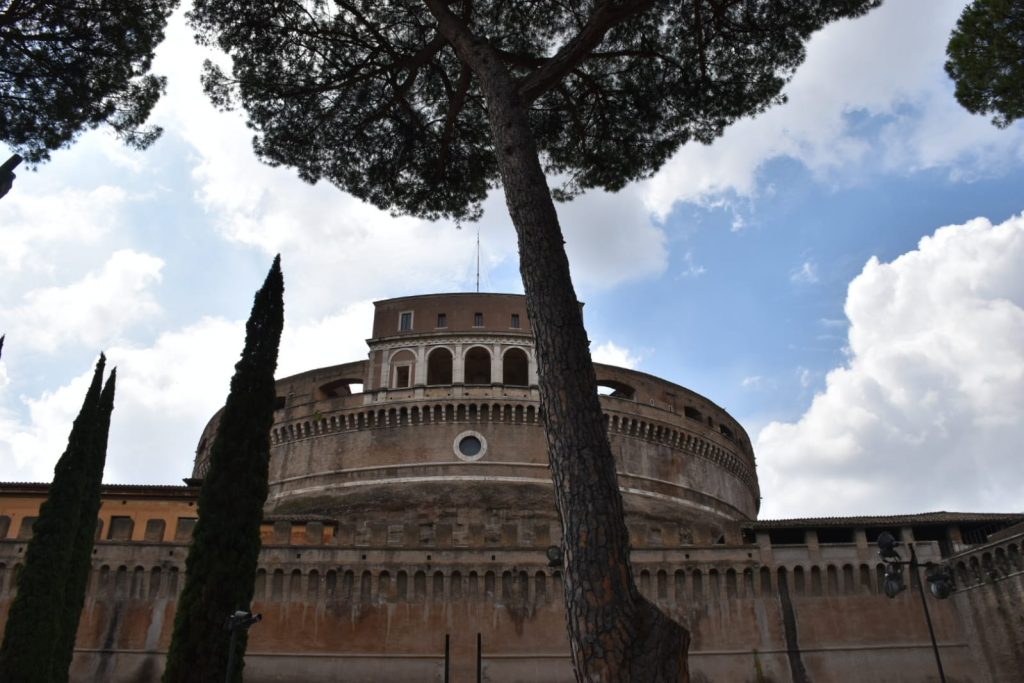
x=752 y=382
x=872 y=95
x=611 y=353
x=93 y=311
x=610 y=238
x=331 y=242
x=37 y=221
x=334 y=339
x=926 y=413
x=166 y=393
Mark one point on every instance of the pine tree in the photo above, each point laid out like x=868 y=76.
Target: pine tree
x=81 y=553
x=221 y=565
x=36 y=617
x=424 y=107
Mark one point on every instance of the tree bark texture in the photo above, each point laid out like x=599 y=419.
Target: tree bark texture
x=615 y=633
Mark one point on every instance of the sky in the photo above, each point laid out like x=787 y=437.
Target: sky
x=842 y=274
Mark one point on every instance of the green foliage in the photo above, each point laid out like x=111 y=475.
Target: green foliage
x=70 y=65
x=986 y=59
x=368 y=96
x=221 y=565
x=38 y=626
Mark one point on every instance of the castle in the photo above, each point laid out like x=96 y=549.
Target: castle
x=410 y=535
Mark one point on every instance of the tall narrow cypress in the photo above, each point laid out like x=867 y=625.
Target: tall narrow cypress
x=81 y=552
x=221 y=565
x=36 y=617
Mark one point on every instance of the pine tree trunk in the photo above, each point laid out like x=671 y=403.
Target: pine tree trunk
x=615 y=633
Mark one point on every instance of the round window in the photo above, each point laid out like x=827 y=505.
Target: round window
x=470 y=446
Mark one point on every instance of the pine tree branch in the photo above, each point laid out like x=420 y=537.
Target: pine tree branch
x=605 y=16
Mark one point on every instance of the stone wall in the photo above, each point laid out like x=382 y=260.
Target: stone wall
x=341 y=612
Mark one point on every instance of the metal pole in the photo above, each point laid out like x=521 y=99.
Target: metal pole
x=479 y=663
x=914 y=567
x=447 y=639
x=231 y=655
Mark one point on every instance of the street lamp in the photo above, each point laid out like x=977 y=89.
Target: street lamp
x=239 y=621
x=939 y=577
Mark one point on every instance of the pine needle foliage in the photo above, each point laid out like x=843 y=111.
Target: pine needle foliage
x=985 y=59
x=221 y=565
x=38 y=624
x=67 y=66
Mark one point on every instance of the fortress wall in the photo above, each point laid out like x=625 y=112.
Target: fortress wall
x=385 y=611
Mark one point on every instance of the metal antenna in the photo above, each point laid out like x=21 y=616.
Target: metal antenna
x=477 y=258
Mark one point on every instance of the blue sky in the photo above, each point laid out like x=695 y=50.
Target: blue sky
x=841 y=274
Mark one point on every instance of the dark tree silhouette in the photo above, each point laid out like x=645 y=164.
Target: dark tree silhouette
x=423 y=107
x=39 y=628
x=70 y=65
x=986 y=59
x=221 y=565
x=85 y=537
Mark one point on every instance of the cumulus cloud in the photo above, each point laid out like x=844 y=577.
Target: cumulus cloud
x=332 y=242
x=95 y=310
x=166 y=392
x=925 y=415
x=871 y=96
x=36 y=221
x=611 y=353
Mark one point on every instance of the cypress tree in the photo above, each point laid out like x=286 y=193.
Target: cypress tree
x=36 y=615
x=221 y=565
x=81 y=553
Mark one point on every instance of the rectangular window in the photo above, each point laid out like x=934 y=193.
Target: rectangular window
x=120 y=529
x=442 y=320
x=155 y=530
x=478 y=320
x=183 y=529
x=402 y=376
x=25 y=530
x=405 y=321
x=515 y=321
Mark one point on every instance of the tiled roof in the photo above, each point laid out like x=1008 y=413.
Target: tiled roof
x=108 y=489
x=941 y=517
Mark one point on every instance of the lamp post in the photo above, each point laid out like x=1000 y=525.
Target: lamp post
x=940 y=581
x=240 y=620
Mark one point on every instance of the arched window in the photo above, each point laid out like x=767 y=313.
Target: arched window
x=439 y=366
x=478 y=366
x=615 y=389
x=403 y=364
x=515 y=368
